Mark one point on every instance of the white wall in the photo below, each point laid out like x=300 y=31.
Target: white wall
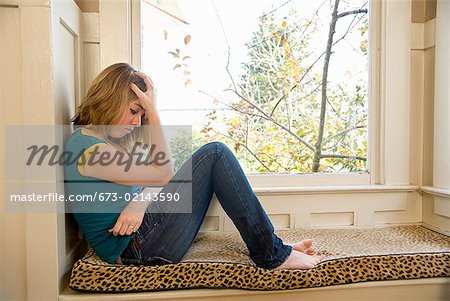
x=441 y=174
x=432 y=63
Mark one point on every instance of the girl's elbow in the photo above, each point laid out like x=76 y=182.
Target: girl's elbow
x=168 y=177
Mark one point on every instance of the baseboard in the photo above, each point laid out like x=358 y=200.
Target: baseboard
x=436 y=229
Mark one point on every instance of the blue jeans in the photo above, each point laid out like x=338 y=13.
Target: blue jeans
x=165 y=238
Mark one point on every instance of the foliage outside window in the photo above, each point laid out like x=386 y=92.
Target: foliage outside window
x=282 y=83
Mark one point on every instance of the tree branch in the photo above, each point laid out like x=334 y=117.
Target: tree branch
x=342 y=157
x=266 y=117
x=323 y=105
x=312 y=65
x=343 y=132
x=231 y=107
x=334 y=145
x=274 y=10
x=353 y=12
x=245 y=146
x=296 y=84
x=228 y=44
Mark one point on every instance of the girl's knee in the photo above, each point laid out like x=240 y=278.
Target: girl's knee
x=216 y=145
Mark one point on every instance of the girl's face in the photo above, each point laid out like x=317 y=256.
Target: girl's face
x=130 y=119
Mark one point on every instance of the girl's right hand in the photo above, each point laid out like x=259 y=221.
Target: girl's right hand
x=147 y=98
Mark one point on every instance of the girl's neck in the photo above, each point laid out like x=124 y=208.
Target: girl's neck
x=95 y=133
x=101 y=136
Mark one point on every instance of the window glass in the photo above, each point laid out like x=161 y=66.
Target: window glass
x=283 y=83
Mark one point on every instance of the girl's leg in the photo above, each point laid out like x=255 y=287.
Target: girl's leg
x=213 y=168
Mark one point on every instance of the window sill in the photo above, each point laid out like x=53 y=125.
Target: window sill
x=309 y=179
x=436 y=191
x=341 y=189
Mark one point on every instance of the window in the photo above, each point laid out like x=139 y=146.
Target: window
x=257 y=74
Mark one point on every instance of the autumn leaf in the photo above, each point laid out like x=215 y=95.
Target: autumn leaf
x=277 y=36
x=187 y=82
x=236 y=147
x=363 y=46
x=285 y=41
x=187 y=39
x=176 y=66
x=317 y=77
x=284 y=24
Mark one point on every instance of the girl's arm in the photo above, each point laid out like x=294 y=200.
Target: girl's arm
x=131 y=173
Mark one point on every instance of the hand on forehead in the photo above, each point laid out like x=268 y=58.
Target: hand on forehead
x=136 y=103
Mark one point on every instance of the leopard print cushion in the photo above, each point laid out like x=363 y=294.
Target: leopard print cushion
x=221 y=260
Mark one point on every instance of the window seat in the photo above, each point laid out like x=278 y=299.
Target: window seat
x=220 y=260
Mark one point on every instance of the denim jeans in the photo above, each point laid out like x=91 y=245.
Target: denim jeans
x=165 y=238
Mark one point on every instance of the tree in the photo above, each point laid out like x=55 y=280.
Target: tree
x=281 y=120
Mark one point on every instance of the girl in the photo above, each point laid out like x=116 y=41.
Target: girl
x=122 y=100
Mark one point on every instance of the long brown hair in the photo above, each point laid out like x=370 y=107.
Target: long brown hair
x=107 y=98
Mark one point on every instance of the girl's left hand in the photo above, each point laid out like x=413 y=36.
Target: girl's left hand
x=147 y=99
x=128 y=222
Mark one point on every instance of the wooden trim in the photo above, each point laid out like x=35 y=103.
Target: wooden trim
x=90 y=26
x=115 y=32
x=309 y=179
x=166 y=12
x=375 y=133
x=417 y=36
x=395 y=92
x=88 y=5
x=23 y=3
x=436 y=229
x=429 y=34
x=423 y=35
x=436 y=191
x=398 y=290
x=136 y=33
x=344 y=189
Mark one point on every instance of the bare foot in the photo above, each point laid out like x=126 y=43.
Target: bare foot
x=305 y=246
x=299 y=261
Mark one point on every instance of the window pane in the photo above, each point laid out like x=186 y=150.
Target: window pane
x=283 y=83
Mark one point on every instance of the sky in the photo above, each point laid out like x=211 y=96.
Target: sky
x=208 y=50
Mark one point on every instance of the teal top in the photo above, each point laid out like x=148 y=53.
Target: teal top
x=95 y=217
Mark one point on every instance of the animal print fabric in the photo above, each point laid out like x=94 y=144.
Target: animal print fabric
x=221 y=260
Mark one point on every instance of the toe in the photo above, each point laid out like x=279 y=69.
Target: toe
x=302 y=246
x=306 y=243
x=310 y=251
